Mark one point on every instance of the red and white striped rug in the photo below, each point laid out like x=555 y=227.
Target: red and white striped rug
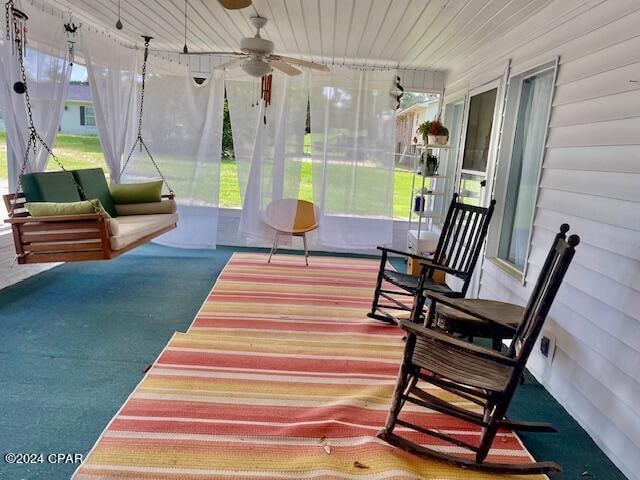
x=280 y=376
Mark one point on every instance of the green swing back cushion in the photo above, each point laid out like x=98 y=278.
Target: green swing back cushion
x=94 y=184
x=127 y=193
x=50 y=187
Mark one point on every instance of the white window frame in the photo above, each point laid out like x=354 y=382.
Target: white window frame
x=503 y=170
x=88 y=108
x=454 y=158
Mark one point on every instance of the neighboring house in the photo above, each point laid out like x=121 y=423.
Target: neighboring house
x=408 y=119
x=78 y=117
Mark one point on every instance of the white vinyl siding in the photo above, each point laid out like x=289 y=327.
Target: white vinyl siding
x=590 y=179
x=70 y=123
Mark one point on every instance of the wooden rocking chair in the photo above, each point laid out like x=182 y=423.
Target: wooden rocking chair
x=459 y=246
x=481 y=376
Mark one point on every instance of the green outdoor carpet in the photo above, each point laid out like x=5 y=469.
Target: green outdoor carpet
x=75 y=341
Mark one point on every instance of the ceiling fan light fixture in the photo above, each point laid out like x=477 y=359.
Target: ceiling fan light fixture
x=257 y=45
x=235 y=4
x=256 y=67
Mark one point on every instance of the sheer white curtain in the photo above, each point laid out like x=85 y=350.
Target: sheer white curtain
x=352 y=130
x=182 y=127
x=48 y=73
x=111 y=69
x=268 y=145
x=525 y=162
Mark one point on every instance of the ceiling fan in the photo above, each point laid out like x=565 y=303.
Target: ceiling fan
x=256 y=55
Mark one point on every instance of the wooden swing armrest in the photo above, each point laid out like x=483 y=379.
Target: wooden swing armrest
x=422 y=331
x=55 y=218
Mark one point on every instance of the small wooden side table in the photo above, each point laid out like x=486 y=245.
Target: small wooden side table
x=470 y=326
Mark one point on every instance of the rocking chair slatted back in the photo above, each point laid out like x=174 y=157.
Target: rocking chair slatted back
x=460 y=243
x=485 y=378
x=544 y=292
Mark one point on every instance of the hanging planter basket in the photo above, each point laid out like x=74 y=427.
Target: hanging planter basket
x=437 y=139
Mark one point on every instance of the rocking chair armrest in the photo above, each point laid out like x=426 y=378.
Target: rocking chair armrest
x=55 y=218
x=405 y=254
x=435 y=266
x=454 y=301
x=422 y=331
x=442 y=268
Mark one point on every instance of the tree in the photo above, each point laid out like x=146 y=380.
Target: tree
x=411 y=98
x=227 y=137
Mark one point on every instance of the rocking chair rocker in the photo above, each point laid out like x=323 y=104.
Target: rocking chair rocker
x=461 y=240
x=481 y=376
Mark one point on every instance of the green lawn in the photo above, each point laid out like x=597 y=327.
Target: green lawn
x=80 y=151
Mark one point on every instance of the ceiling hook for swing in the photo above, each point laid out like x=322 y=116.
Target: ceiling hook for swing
x=147 y=41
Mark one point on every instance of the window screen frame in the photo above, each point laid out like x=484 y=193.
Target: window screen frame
x=503 y=170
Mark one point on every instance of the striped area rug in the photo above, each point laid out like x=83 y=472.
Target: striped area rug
x=281 y=376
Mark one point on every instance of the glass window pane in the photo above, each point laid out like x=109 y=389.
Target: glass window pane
x=526 y=156
x=476 y=147
x=89 y=117
x=453 y=118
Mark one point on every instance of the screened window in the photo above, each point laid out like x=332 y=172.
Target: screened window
x=526 y=157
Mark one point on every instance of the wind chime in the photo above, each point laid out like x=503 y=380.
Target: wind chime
x=16 y=25
x=70 y=29
x=399 y=92
x=265 y=93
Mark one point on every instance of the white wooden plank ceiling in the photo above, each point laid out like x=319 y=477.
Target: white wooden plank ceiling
x=420 y=34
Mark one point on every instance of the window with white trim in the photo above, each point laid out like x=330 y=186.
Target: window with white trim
x=528 y=107
x=87 y=116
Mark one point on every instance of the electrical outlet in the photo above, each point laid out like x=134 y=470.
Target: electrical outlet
x=544 y=346
x=548 y=347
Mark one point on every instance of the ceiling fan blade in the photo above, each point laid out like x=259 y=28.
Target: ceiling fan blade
x=284 y=67
x=229 y=63
x=234 y=4
x=214 y=53
x=304 y=63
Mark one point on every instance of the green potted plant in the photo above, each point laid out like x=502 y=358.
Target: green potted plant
x=423 y=129
x=430 y=164
x=437 y=134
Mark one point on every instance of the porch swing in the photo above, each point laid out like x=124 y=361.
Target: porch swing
x=86 y=236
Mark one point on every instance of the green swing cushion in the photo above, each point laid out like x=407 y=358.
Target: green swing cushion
x=127 y=193
x=46 y=209
x=94 y=185
x=50 y=187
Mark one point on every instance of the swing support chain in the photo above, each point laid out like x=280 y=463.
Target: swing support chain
x=139 y=140
x=32 y=143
